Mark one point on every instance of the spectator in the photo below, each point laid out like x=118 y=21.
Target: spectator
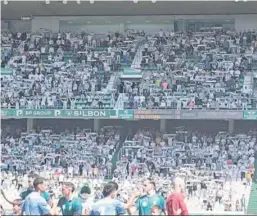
x=147 y=201
x=34 y=204
x=68 y=205
x=108 y=205
x=31 y=187
x=176 y=201
x=17 y=207
x=86 y=199
x=156 y=211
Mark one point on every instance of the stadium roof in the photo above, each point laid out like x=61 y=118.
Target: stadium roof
x=16 y=9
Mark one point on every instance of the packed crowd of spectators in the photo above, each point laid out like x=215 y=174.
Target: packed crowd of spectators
x=63 y=70
x=217 y=169
x=207 y=70
x=211 y=70
x=81 y=153
x=212 y=166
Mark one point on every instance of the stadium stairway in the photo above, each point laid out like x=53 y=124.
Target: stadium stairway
x=248 y=82
x=255 y=85
x=120 y=103
x=111 y=83
x=138 y=57
x=115 y=156
x=252 y=205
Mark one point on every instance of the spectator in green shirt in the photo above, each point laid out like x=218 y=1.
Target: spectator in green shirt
x=68 y=205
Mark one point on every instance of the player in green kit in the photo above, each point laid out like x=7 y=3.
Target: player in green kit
x=69 y=205
x=145 y=202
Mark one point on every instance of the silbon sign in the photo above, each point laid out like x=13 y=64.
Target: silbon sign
x=68 y=114
x=86 y=113
x=50 y=113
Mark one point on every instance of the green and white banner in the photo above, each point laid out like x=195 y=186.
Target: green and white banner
x=67 y=114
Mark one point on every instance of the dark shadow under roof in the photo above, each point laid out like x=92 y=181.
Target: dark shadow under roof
x=16 y=9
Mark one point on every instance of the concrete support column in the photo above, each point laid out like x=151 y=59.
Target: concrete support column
x=163 y=126
x=97 y=125
x=231 y=126
x=30 y=124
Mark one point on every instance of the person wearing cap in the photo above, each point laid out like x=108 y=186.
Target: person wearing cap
x=68 y=205
x=86 y=200
x=175 y=203
x=144 y=203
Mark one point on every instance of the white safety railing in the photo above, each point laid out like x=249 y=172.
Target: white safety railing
x=120 y=104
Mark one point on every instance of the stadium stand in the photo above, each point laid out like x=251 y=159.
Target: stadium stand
x=93 y=92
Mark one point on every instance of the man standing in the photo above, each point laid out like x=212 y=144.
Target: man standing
x=175 y=202
x=109 y=205
x=16 y=207
x=68 y=205
x=35 y=204
x=15 y=203
x=44 y=194
x=145 y=203
x=85 y=198
x=243 y=203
